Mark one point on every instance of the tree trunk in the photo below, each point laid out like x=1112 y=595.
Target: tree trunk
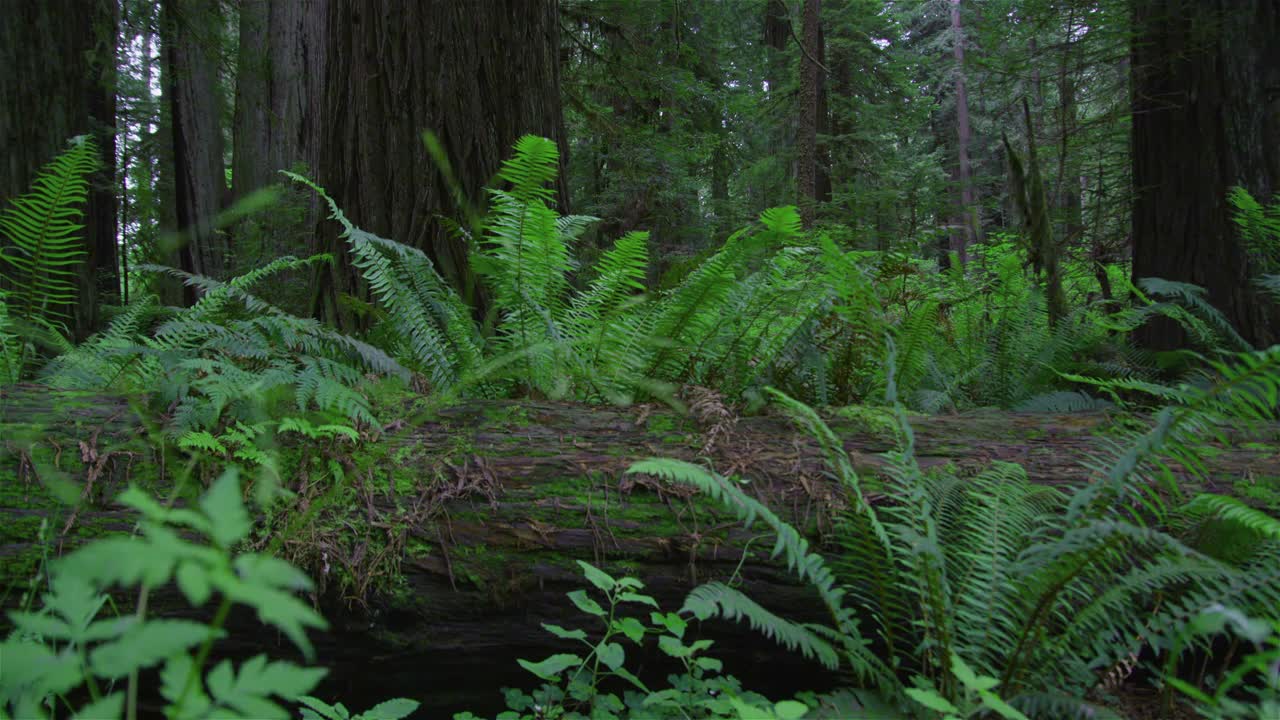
x=59 y=59
x=191 y=29
x=807 y=136
x=478 y=75
x=279 y=90
x=966 y=229
x=1206 y=117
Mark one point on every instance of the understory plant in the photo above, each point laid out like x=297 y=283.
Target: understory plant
x=1045 y=591
x=79 y=655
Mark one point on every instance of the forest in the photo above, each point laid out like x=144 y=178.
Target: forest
x=644 y=359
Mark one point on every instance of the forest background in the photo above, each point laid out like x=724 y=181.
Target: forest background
x=291 y=234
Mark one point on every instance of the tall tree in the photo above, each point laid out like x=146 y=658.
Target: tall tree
x=59 y=60
x=1206 y=116
x=191 y=31
x=479 y=77
x=807 y=135
x=966 y=229
x=280 y=73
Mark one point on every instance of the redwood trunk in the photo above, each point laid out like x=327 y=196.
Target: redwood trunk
x=1206 y=117
x=58 y=82
x=478 y=75
x=190 y=30
x=807 y=137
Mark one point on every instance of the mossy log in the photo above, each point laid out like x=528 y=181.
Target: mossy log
x=456 y=534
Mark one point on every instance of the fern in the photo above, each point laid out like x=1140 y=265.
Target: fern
x=433 y=326
x=808 y=566
x=43 y=250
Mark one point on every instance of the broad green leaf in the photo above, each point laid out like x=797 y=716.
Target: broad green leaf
x=630 y=627
x=637 y=598
x=225 y=509
x=1003 y=709
x=110 y=707
x=597 y=577
x=586 y=604
x=551 y=668
x=611 y=654
x=968 y=677
x=272 y=571
x=324 y=709
x=790 y=710
x=563 y=633
x=193 y=581
x=673 y=647
x=41 y=625
x=671 y=621
x=146 y=645
x=391 y=710
x=931 y=700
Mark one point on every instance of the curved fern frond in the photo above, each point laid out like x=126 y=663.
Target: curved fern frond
x=715 y=599
x=43 y=244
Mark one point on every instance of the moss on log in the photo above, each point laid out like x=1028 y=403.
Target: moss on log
x=460 y=531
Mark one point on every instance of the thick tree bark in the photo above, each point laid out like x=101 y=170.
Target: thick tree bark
x=190 y=31
x=808 y=107
x=59 y=59
x=477 y=74
x=1206 y=117
x=966 y=228
x=279 y=90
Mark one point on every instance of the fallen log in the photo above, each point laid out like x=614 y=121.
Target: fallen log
x=453 y=536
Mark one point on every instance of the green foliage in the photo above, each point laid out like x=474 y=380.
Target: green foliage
x=41 y=255
x=65 y=645
x=989 y=583
x=572 y=682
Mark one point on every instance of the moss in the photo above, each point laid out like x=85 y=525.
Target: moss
x=878 y=422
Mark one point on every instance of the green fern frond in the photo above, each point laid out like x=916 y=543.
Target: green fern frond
x=1233 y=510
x=715 y=599
x=44 y=245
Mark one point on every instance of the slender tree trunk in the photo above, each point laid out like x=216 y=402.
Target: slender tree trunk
x=807 y=137
x=967 y=229
x=190 y=29
x=1206 y=116
x=59 y=59
x=477 y=74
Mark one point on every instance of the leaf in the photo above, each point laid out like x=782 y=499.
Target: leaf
x=611 y=654
x=931 y=700
x=225 y=509
x=563 y=633
x=631 y=627
x=968 y=677
x=551 y=668
x=391 y=710
x=597 y=577
x=110 y=707
x=324 y=709
x=586 y=604
x=790 y=710
x=193 y=581
x=637 y=598
x=146 y=645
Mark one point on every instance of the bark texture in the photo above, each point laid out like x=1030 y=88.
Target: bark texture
x=279 y=90
x=1206 y=117
x=808 y=107
x=58 y=82
x=191 y=32
x=477 y=74
x=966 y=228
